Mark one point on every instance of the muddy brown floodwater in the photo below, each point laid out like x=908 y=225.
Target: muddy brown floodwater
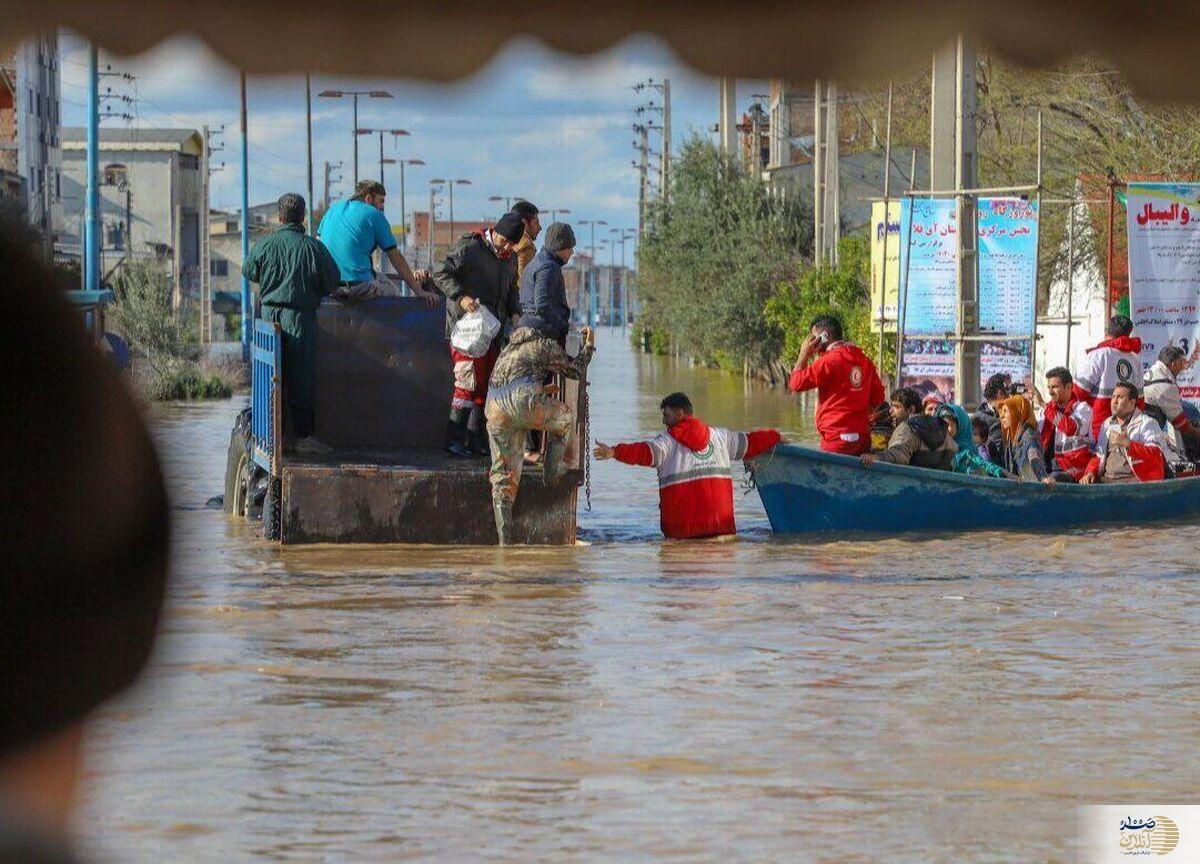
x=933 y=698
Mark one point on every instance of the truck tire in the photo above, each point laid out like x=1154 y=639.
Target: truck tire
x=273 y=510
x=235 y=460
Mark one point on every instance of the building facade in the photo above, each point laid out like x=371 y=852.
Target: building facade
x=152 y=197
x=30 y=126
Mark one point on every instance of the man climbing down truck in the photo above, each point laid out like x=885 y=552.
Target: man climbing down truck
x=518 y=401
x=695 y=469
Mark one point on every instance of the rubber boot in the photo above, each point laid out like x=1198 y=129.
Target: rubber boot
x=556 y=448
x=504 y=519
x=477 y=439
x=456 y=434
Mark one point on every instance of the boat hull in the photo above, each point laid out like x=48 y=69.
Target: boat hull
x=806 y=490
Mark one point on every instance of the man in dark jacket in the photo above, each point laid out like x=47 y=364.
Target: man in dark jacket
x=543 y=290
x=480 y=270
x=995 y=391
x=293 y=272
x=919 y=439
x=526 y=248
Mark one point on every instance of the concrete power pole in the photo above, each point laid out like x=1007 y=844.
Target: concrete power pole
x=205 y=252
x=953 y=166
x=330 y=167
x=665 y=179
x=727 y=118
x=826 y=162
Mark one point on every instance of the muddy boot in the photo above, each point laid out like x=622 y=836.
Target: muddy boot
x=456 y=434
x=477 y=438
x=504 y=522
x=556 y=448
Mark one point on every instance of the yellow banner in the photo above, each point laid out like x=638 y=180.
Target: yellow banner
x=885 y=265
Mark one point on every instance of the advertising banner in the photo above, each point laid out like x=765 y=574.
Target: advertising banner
x=930 y=262
x=1164 y=272
x=1008 y=235
x=886 y=239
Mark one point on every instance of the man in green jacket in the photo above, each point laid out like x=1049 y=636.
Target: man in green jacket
x=293 y=272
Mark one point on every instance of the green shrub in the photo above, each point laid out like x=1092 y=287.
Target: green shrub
x=186 y=382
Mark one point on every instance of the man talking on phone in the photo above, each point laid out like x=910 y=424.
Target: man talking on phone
x=847 y=384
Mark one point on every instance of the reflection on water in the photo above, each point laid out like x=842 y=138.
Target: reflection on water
x=946 y=698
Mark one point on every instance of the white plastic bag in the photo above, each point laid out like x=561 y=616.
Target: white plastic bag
x=473 y=332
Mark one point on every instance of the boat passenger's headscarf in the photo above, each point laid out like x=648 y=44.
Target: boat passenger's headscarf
x=963 y=437
x=1022 y=412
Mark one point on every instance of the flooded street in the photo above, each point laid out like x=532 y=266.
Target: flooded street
x=942 y=698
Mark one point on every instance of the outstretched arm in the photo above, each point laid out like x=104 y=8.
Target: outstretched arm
x=760 y=441
x=639 y=453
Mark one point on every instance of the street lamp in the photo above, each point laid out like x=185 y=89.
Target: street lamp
x=451 y=184
x=507 y=199
x=395 y=133
x=371 y=94
x=403 y=211
x=435 y=186
x=554 y=213
x=592 y=223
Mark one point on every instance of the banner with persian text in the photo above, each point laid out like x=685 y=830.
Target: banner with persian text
x=1164 y=272
x=1007 y=272
x=886 y=239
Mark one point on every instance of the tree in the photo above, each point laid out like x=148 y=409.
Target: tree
x=712 y=257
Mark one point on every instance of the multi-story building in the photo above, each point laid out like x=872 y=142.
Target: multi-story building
x=152 y=198
x=30 y=124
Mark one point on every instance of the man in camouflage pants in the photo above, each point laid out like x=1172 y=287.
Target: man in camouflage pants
x=517 y=402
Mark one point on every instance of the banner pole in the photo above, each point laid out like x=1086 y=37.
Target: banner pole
x=887 y=186
x=1037 y=261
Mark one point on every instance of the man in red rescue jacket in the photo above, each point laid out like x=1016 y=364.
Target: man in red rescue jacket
x=1114 y=361
x=847 y=384
x=695 y=469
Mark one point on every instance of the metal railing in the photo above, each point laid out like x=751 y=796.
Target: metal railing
x=265 y=379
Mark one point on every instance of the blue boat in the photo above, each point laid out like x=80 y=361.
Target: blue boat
x=806 y=490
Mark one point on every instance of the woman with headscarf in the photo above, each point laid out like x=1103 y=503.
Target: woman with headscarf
x=1022 y=449
x=967 y=460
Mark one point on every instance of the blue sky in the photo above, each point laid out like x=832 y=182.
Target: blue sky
x=534 y=123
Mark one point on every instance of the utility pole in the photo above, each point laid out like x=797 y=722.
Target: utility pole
x=354 y=94
x=727 y=118
x=330 y=167
x=953 y=166
x=247 y=309
x=403 y=206
x=666 y=142
x=312 y=228
x=91 y=256
x=826 y=206
x=432 y=221
x=593 y=270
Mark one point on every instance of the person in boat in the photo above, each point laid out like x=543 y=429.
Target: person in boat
x=995 y=390
x=1065 y=427
x=1130 y=446
x=1164 y=402
x=695 y=468
x=1023 y=457
x=294 y=272
x=1114 y=361
x=932 y=401
x=847 y=384
x=918 y=439
x=967 y=460
x=520 y=400
x=979 y=435
x=479 y=270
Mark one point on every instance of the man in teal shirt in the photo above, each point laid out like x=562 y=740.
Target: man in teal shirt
x=293 y=272
x=353 y=230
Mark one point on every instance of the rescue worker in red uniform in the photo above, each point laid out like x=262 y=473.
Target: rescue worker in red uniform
x=1114 y=361
x=695 y=469
x=847 y=384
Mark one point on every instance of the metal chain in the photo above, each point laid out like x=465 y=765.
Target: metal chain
x=587 y=448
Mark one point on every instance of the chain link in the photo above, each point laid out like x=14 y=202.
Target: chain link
x=587 y=448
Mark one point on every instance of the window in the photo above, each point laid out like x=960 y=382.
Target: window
x=218 y=267
x=187 y=160
x=114 y=236
x=115 y=174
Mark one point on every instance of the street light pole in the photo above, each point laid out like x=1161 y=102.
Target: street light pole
x=592 y=286
x=354 y=94
x=312 y=228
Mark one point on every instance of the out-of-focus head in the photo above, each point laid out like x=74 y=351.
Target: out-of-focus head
x=675 y=408
x=1124 y=399
x=979 y=429
x=1118 y=326
x=560 y=240
x=84 y=527
x=291 y=208
x=370 y=192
